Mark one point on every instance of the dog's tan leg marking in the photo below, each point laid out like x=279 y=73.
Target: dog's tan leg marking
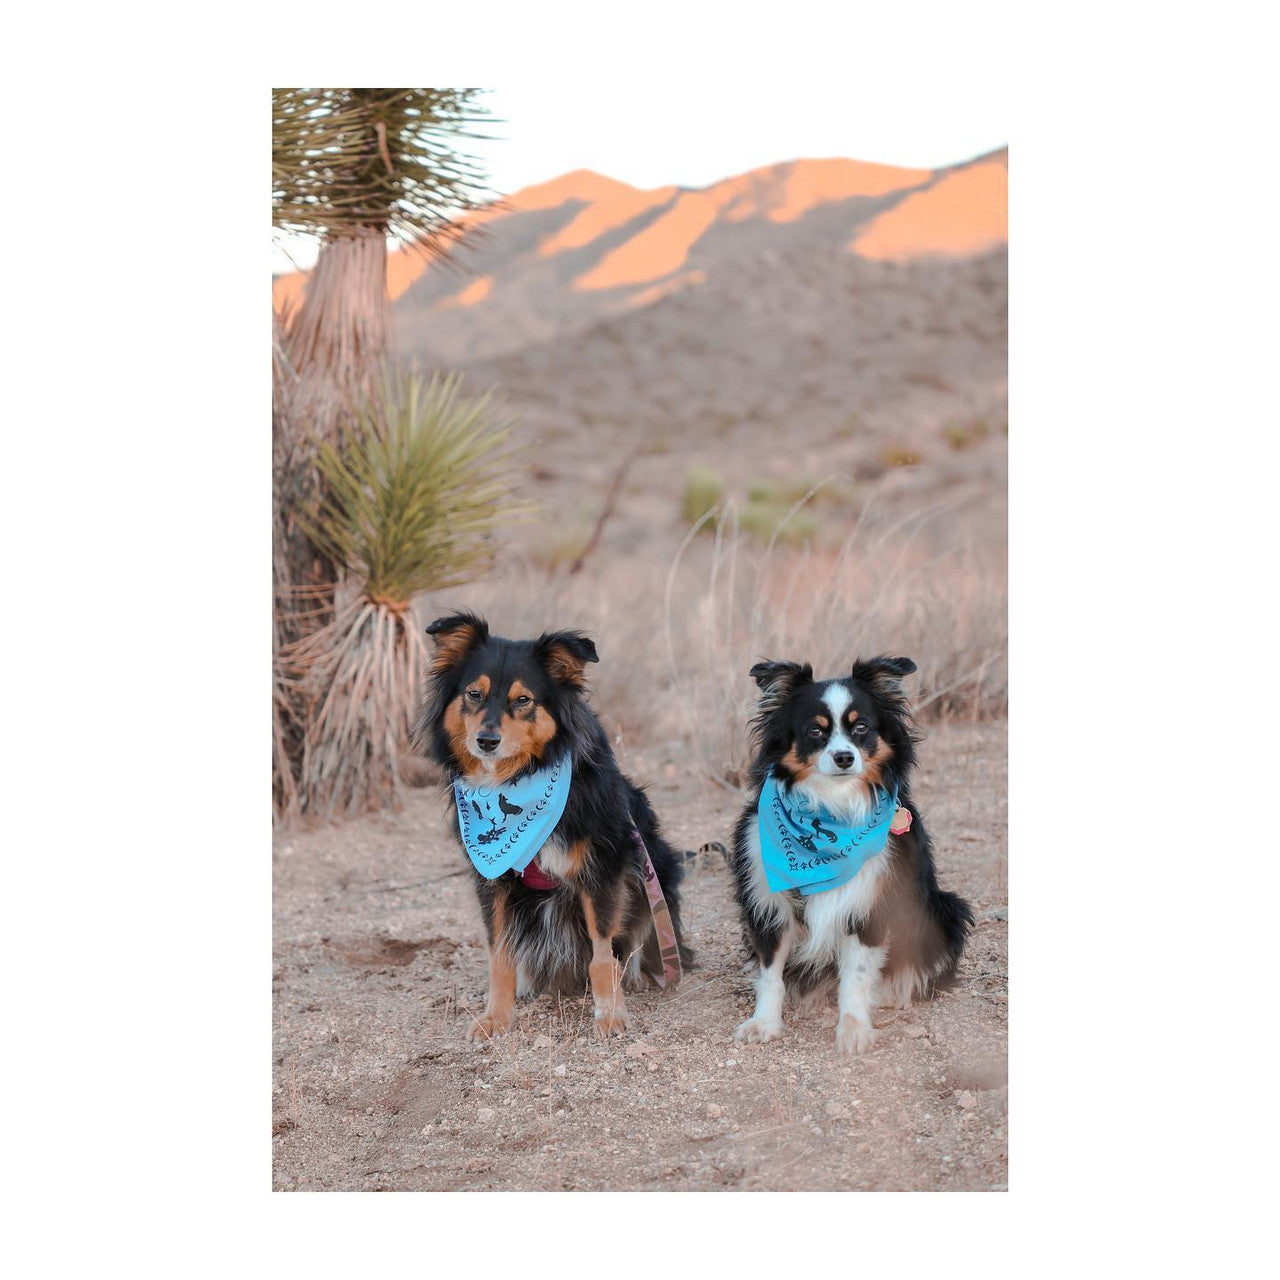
x=606 y=976
x=500 y=1006
x=577 y=857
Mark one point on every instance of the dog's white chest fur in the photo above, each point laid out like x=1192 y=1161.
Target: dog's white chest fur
x=828 y=916
x=553 y=857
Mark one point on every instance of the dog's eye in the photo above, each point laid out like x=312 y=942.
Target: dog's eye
x=474 y=695
x=816 y=731
x=859 y=727
x=522 y=701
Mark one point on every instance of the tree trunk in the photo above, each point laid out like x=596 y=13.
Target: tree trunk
x=338 y=338
x=335 y=345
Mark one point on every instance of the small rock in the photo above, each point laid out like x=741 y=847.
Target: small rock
x=479 y=1165
x=915 y=1031
x=485 y=1114
x=966 y=1101
x=715 y=1110
x=560 y=1069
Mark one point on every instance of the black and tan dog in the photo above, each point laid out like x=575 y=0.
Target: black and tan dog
x=497 y=711
x=836 y=749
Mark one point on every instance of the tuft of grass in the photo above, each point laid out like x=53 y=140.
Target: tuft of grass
x=703 y=490
x=964 y=435
x=769 y=520
x=896 y=455
x=558 y=551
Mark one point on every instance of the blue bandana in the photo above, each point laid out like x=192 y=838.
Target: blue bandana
x=805 y=848
x=503 y=826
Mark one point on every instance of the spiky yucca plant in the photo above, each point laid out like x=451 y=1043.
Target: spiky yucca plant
x=346 y=160
x=411 y=504
x=353 y=167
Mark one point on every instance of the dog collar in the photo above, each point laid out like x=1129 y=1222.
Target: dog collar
x=804 y=846
x=503 y=826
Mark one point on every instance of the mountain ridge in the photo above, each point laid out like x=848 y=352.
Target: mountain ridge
x=558 y=255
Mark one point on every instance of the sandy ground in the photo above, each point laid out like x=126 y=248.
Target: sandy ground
x=379 y=958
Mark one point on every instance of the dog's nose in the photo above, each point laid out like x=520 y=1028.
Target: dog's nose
x=843 y=759
x=488 y=741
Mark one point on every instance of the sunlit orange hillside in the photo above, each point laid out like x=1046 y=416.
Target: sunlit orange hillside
x=583 y=247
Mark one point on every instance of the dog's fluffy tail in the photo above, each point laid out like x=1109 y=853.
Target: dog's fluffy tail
x=953 y=918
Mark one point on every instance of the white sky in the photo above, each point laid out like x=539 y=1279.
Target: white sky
x=694 y=133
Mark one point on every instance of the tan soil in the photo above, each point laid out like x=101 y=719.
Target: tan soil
x=379 y=958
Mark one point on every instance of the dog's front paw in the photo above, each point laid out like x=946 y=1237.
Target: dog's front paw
x=612 y=1022
x=488 y=1025
x=758 y=1030
x=853 y=1036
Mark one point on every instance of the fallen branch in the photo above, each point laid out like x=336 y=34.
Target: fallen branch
x=610 y=502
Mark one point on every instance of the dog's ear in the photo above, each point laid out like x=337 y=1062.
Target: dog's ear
x=563 y=655
x=779 y=680
x=455 y=637
x=884 y=674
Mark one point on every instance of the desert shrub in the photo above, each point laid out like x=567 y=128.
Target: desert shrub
x=775 y=520
x=964 y=435
x=411 y=503
x=896 y=455
x=703 y=490
x=556 y=547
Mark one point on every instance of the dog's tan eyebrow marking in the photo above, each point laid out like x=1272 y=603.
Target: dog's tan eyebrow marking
x=480 y=684
x=824 y=721
x=518 y=690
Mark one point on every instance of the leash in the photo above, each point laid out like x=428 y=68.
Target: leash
x=662 y=925
x=533 y=877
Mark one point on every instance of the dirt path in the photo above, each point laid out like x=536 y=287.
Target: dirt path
x=379 y=956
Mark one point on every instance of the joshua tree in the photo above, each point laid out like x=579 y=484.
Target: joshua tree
x=354 y=167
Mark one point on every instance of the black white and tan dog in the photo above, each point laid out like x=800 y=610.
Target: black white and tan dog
x=833 y=870
x=503 y=718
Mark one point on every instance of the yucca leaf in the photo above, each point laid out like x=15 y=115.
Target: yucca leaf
x=414 y=497
x=348 y=160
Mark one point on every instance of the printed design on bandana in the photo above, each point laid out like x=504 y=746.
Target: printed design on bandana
x=805 y=847
x=496 y=829
x=503 y=827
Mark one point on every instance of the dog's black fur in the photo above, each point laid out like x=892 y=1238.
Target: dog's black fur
x=544 y=935
x=922 y=926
